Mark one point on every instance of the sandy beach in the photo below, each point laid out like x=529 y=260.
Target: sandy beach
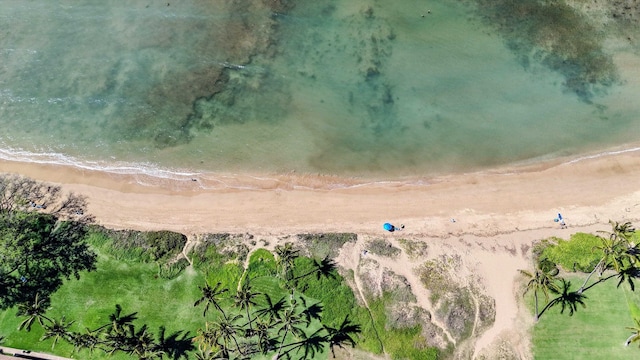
x=498 y=214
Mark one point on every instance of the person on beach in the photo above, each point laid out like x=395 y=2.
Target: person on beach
x=390 y=228
x=560 y=220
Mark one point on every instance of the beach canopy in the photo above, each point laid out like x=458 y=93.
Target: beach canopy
x=388 y=227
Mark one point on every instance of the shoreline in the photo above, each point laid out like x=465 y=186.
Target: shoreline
x=152 y=175
x=493 y=201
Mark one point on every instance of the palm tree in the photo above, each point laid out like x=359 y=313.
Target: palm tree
x=174 y=346
x=210 y=355
x=263 y=332
x=244 y=299
x=204 y=355
x=290 y=321
x=227 y=329
x=119 y=323
x=612 y=250
x=117 y=341
x=618 y=252
x=342 y=334
x=88 y=340
x=34 y=312
x=211 y=296
x=311 y=312
x=622 y=231
x=324 y=268
x=566 y=299
x=543 y=279
x=635 y=336
x=272 y=310
x=310 y=344
x=206 y=338
x=286 y=257
x=57 y=329
x=142 y=344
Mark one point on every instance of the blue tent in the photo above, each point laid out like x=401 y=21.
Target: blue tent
x=388 y=227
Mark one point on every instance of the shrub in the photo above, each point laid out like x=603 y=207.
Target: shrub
x=323 y=245
x=579 y=253
x=414 y=248
x=171 y=271
x=383 y=248
x=142 y=246
x=262 y=263
x=220 y=248
x=165 y=244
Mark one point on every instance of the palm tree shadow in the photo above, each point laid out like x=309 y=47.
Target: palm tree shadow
x=177 y=345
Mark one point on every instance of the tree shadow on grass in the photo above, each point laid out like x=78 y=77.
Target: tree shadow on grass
x=39 y=252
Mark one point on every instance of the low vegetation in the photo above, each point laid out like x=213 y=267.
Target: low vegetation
x=463 y=308
x=581 y=253
x=325 y=245
x=599 y=300
x=160 y=246
x=414 y=248
x=382 y=247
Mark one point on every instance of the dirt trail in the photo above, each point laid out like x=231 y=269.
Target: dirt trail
x=489 y=265
x=349 y=258
x=404 y=266
x=192 y=242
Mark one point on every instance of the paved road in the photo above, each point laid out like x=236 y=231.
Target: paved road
x=18 y=353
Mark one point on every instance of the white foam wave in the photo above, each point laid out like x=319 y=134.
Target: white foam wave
x=116 y=167
x=148 y=174
x=603 y=154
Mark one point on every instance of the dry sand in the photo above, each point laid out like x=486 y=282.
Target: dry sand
x=498 y=214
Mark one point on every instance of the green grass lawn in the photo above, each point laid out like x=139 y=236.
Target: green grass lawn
x=90 y=300
x=595 y=332
x=137 y=287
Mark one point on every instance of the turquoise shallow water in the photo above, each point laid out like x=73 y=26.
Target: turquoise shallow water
x=358 y=88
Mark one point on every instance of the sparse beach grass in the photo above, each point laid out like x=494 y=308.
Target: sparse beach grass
x=402 y=343
x=382 y=247
x=414 y=248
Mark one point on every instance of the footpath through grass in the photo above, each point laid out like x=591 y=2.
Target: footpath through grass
x=595 y=332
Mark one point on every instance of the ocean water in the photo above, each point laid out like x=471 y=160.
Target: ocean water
x=366 y=88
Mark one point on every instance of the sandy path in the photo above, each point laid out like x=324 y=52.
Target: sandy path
x=505 y=208
x=403 y=266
